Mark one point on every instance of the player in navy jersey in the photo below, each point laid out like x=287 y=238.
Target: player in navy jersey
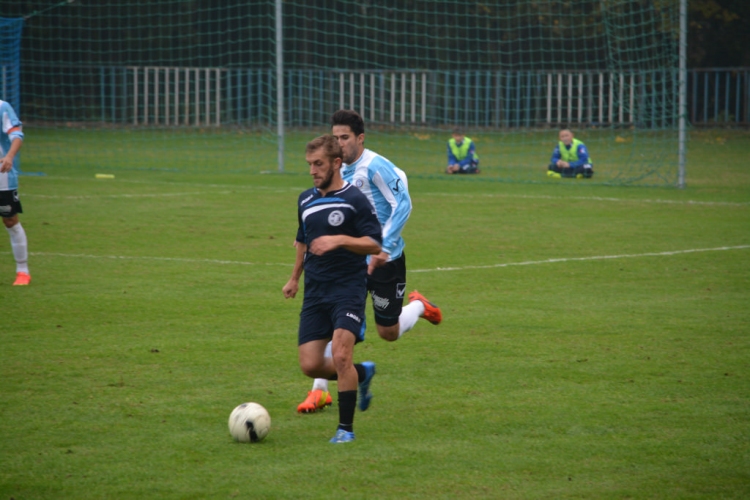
x=387 y=188
x=11 y=139
x=337 y=229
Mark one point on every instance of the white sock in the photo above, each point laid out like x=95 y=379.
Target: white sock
x=19 y=245
x=321 y=383
x=409 y=316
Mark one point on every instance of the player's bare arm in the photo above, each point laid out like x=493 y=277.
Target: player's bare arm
x=377 y=261
x=363 y=245
x=292 y=286
x=6 y=162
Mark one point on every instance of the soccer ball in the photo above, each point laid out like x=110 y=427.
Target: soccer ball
x=249 y=423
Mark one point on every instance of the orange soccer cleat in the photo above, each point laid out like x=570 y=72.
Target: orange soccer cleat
x=431 y=311
x=316 y=400
x=22 y=279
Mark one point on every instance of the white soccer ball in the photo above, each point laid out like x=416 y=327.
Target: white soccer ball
x=249 y=423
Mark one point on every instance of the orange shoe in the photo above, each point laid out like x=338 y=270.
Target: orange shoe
x=316 y=400
x=431 y=311
x=22 y=279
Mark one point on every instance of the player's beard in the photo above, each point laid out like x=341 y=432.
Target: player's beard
x=325 y=183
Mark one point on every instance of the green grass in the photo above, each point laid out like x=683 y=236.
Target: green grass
x=156 y=308
x=621 y=157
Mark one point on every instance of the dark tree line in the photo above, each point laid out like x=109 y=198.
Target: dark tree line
x=427 y=34
x=405 y=34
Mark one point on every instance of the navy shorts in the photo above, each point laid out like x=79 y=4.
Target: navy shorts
x=10 y=205
x=387 y=285
x=320 y=316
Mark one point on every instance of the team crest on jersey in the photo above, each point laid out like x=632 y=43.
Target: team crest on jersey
x=336 y=218
x=359 y=183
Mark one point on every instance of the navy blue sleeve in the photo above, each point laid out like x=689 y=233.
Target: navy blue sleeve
x=583 y=157
x=300 y=227
x=469 y=155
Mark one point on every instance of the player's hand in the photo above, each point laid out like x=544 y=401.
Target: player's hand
x=377 y=261
x=5 y=164
x=323 y=244
x=290 y=289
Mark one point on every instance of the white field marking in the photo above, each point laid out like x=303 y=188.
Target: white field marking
x=163 y=259
x=250 y=187
x=598 y=198
x=122 y=195
x=437 y=269
x=575 y=259
x=255 y=187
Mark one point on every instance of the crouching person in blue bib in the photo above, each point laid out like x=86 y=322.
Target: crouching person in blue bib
x=462 y=154
x=570 y=158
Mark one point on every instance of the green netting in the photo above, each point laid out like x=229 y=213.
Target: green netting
x=192 y=84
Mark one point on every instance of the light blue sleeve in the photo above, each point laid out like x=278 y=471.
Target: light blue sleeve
x=390 y=191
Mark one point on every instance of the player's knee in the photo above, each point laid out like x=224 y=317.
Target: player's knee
x=341 y=359
x=10 y=221
x=389 y=333
x=312 y=367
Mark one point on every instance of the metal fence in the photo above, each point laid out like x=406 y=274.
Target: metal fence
x=180 y=96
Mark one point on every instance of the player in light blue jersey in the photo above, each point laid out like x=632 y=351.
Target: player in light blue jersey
x=11 y=140
x=386 y=186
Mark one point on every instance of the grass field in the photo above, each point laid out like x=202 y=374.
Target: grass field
x=596 y=340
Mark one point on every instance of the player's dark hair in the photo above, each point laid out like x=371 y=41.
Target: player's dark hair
x=328 y=143
x=458 y=130
x=350 y=118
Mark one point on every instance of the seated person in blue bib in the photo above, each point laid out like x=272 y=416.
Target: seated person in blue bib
x=570 y=158
x=462 y=154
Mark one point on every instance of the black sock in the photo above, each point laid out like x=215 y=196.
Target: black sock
x=361 y=373
x=347 y=403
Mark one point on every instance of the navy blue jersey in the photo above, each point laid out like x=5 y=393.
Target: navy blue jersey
x=348 y=212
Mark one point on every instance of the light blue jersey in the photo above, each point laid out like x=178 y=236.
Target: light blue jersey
x=11 y=129
x=386 y=187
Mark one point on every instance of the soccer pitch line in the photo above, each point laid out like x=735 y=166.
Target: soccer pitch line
x=161 y=259
x=433 y=270
x=600 y=198
x=256 y=187
x=122 y=195
x=581 y=259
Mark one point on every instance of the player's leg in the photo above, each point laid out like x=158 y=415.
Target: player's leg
x=11 y=207
x=588 y=171
x=469 y=168
x=387 y=285
x=554 y=171
x=315 y=328
x=350 y=329
x=312 y=360
x=318 y=397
